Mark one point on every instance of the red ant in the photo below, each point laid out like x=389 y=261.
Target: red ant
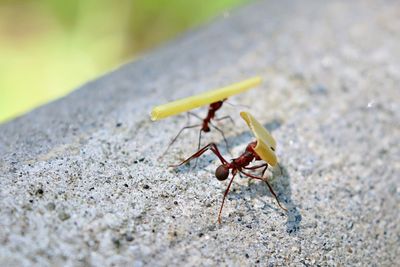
x=205 y=125
x=236 y=165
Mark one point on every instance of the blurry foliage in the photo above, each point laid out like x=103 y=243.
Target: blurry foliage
x=49 y=47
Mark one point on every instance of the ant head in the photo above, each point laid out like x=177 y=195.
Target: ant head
x=222 y=172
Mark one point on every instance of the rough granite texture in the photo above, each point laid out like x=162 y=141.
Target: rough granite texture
x=81 y=183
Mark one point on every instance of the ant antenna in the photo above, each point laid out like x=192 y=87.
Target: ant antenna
x=237 y=105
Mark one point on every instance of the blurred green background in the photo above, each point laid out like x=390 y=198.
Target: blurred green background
x=49 y=47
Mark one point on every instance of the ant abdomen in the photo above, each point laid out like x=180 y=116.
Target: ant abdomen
x=222 y=172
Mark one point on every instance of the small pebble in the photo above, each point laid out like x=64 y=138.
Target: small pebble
x=129 y=238
x=63 y=216
x=350 y=225
x=295 y=249
x=51 y=206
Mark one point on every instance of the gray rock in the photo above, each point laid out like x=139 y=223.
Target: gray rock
x=331 y=98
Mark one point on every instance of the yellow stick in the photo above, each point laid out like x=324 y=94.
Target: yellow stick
x=266 y=144
x=206 y=98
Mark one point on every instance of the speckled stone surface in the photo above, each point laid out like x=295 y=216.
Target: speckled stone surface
x=81 y=185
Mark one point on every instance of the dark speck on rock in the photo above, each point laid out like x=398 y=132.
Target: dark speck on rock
x=211 y=228
x=39 y=191
x=247 y=255
x=201 y=234
x=119 y=124
x=383 y=151
x=139 y=160
x=126 y=185
x=176 y=202
x=129 y=238
x=319 y=89
x=146 y=186
x=116 y=242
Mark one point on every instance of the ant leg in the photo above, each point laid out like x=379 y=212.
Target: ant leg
x=199 y=143
x=194 y=115
x=256 y=167
x=269 y=186
x=213 y=147
x=225 y=194
x=224 y=118
x=263 y=172
x=176 y=137
x=198 y=147
x=223 y=135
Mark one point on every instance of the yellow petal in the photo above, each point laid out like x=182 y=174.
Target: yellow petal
x=206 y=98
x=265 y=141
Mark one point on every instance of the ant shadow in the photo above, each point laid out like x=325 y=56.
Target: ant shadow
x=284 y=190
x=280 y=183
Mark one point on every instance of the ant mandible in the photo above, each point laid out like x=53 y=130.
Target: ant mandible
x=255 y=151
